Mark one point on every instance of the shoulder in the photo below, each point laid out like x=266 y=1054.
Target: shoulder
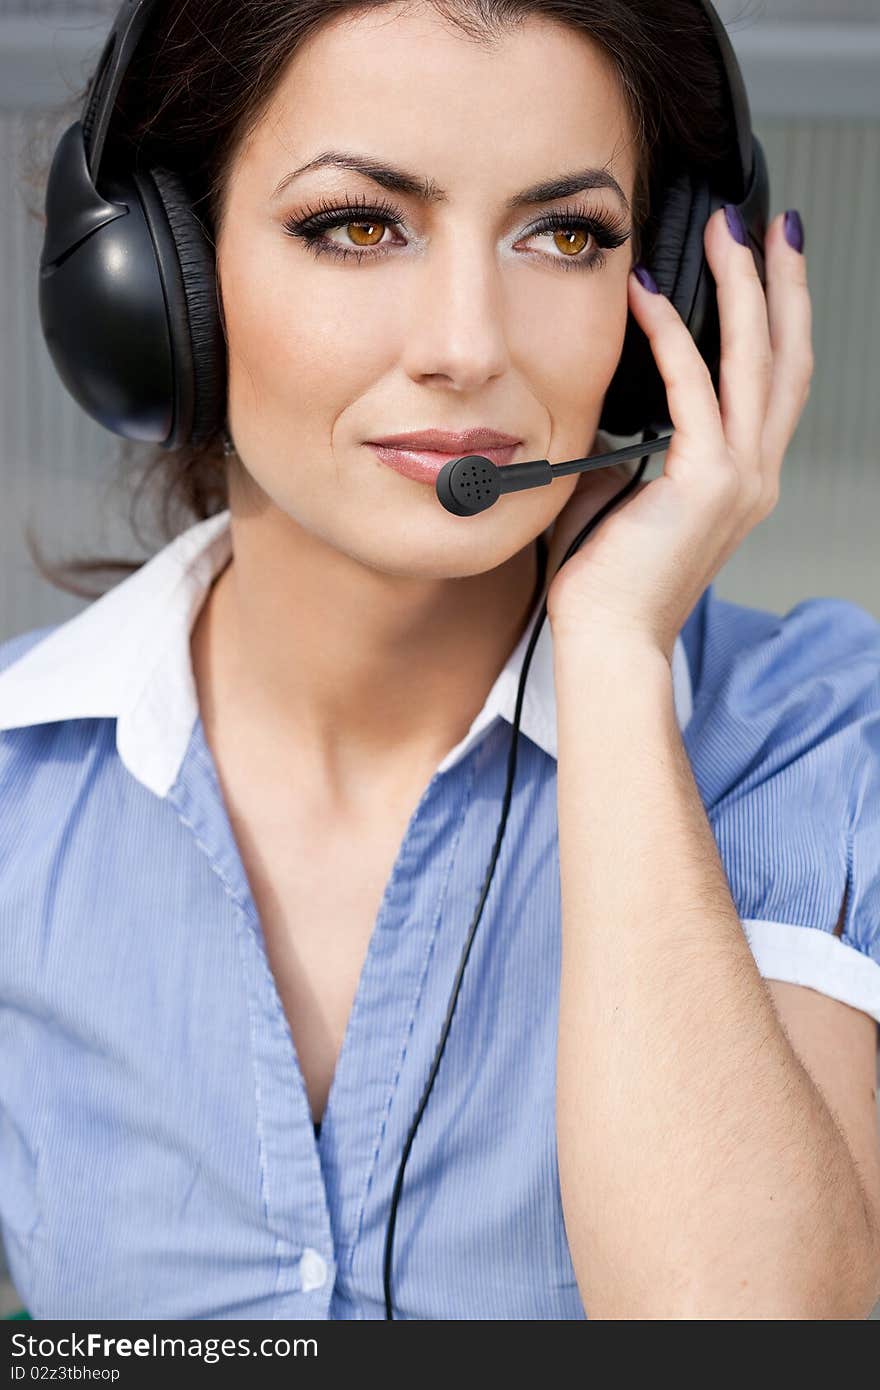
x=13 y=741
x=32 y=750
x=771 y=688
x=731 y=642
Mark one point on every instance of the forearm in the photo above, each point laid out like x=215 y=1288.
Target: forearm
x=701 y=1172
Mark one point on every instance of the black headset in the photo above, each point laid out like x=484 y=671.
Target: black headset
x=130 y=312
x=128 y=294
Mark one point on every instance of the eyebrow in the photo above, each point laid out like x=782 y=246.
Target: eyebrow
x=426 y=190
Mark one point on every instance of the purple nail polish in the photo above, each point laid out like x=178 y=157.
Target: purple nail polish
x=794 y=229
x=645 y=278
x=735 y=223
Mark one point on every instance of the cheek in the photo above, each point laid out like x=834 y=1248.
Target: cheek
x=581 y=323
x=299 y=347
x=574 y=343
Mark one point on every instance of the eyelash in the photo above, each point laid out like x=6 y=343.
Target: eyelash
x=607 y=231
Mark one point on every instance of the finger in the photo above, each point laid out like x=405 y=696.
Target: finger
x=791 y=332
x=746 y=370
x=690 y=395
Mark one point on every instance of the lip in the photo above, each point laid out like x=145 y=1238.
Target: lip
x=420 y=454
x=455 y=443
x=423 y=465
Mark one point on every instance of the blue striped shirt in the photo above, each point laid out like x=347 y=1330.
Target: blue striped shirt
x=157 y=1155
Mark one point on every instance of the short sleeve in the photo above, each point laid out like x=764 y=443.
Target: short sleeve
x=784 y=742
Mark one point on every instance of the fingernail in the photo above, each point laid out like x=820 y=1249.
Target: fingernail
x=735 y=223
x=794 y=229
x=645 y=278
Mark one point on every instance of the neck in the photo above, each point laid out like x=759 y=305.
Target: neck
x=361 y=676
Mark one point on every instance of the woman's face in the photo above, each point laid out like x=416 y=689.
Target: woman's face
x=450 y=313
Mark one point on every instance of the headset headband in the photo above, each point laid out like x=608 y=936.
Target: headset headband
x=125 y=35
x=83 y=209
x=133 y=17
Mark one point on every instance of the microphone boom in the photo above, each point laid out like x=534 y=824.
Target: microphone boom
x=472 y=484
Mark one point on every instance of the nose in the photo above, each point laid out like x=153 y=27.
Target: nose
x=456 y=332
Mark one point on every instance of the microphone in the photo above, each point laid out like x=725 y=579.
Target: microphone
x=470 y=484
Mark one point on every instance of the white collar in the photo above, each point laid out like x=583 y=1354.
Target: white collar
x=127 y=656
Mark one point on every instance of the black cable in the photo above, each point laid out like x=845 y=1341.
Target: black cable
x=511 y=771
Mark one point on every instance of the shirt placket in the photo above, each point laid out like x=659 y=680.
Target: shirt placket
x=314 y=1192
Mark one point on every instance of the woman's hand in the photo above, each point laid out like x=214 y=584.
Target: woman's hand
x=643 y=569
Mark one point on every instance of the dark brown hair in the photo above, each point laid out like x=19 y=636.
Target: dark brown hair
x=206 y=70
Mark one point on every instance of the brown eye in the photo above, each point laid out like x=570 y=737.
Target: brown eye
x=571 y=240
x=369 y=231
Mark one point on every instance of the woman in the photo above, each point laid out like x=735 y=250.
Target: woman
x=256 y=785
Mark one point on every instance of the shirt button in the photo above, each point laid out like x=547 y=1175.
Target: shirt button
x=313 y=1269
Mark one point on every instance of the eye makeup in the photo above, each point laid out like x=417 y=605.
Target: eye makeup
x=606 y=230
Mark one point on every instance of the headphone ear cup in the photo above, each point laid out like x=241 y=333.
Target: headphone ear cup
x=636 y=397
x=187 y=267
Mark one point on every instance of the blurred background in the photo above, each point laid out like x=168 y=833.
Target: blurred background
x=812 y=69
